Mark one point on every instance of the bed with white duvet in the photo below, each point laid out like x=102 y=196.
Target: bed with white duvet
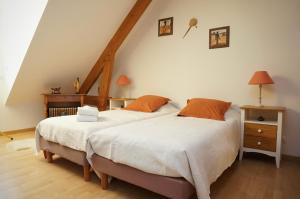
x=198 y=150
x=67 y=131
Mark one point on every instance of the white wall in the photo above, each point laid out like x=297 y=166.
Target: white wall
x=18 y=22
x=69 y=39
x=264 y=35
x=67 y=43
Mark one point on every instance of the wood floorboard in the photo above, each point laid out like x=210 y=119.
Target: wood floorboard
x=25 y=175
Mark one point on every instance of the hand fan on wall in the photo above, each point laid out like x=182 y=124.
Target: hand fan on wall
x=193 y=23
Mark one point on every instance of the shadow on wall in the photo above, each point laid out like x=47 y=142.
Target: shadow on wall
x=285 y=87
x=291 y=132
x=145 y=23
x=288 y=89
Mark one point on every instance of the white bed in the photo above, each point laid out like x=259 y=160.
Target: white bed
x=197 y=149
x=67 y=131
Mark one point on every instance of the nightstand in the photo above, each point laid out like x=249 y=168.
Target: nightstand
x=118 y=103
x=262 y=136
x=62 y=104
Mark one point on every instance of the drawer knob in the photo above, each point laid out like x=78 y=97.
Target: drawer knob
x=259 y=130
x=259 y=143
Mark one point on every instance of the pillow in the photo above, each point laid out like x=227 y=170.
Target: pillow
x=205 y=108
x=147 y=103
x=170 y=107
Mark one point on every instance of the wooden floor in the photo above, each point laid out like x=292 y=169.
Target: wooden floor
x=24 y=175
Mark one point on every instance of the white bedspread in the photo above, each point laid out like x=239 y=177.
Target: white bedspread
x=197 y=149
x=67 y=131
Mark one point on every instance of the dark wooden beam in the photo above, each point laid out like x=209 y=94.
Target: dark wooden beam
x=110 y=50
x=104 y=83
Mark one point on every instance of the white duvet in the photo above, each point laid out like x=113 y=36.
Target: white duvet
x=67 y=131
x=197 y=149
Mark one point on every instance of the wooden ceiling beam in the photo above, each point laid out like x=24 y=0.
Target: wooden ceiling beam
x=109 y=52
x=104 y=84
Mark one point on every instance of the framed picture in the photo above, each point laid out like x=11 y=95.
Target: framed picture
x=165 y=26
x=219 y=37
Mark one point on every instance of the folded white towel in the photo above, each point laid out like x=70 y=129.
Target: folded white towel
x=87 y=118
x=87 y=110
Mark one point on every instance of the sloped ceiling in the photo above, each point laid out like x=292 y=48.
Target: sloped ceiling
x=68 y=41
x=18 y=23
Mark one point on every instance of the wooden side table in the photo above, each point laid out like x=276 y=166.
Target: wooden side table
x=62 y=104
x=118 y=103
x=262 y=136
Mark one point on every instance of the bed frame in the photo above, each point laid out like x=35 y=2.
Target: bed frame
x=79 y=157
x=175 y=188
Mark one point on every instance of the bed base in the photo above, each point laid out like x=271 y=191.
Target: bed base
x=79 y=157
x=175 y=188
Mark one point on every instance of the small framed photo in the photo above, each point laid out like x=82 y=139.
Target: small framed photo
x=165 y=26
x=219 y=37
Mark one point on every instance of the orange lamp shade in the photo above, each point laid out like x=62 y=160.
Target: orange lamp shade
x=123 y=80
x=261 y=77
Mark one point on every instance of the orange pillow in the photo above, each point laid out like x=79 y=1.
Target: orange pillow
x=147 y=103
x=205 y=108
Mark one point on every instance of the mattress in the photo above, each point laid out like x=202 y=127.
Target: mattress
x=197 y=149
x=67 y=131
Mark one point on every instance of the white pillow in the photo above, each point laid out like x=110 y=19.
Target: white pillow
x=170 y=107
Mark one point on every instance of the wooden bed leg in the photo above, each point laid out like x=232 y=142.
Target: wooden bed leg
x=45 y=154
x=86 y=173
x=49 y=156
x=104 y=181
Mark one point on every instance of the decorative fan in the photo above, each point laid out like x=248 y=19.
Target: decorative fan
x=193 y=23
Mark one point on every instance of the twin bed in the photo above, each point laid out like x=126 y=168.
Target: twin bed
x=67 y=137
x=173 y=156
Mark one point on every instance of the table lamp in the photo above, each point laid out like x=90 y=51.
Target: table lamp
x=260 y=78
x=123 y=81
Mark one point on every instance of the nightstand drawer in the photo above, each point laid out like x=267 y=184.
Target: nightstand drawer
x=261 y=130
x=262 y=143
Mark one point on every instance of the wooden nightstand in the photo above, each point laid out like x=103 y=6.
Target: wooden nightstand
x=118 y=103
x=62 y=104
x=262 y=136
x=66 y=104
